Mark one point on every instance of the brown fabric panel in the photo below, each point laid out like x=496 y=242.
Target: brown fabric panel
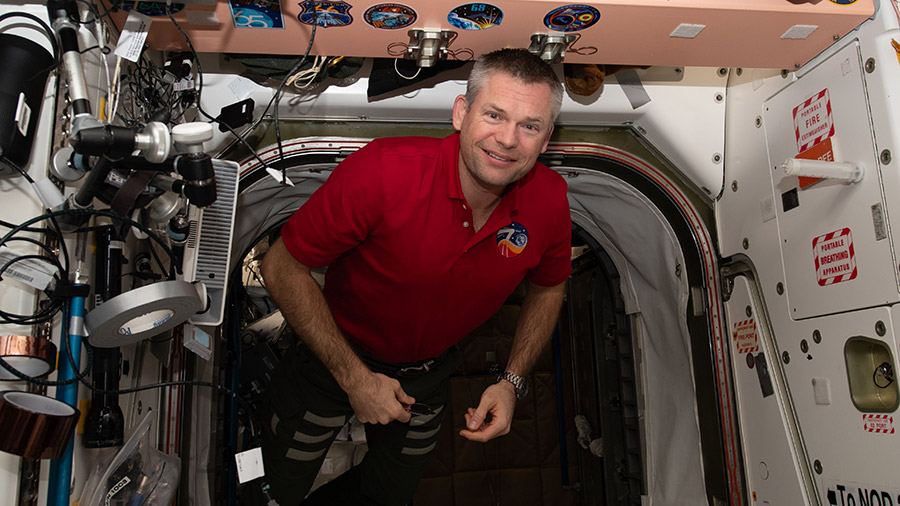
x=477 y=349
x=521 y=468
x=547 y=424
x=506 y=320
x=435 y=491
x=469 y=456
x=508 y=486
x=554 y=493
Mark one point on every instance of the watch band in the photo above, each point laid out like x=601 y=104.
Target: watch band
x=519 y=382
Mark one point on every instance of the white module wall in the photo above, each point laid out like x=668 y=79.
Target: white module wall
x=833 y=234
x=771 y=458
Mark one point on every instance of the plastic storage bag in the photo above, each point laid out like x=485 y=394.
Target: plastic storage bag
x=138 y=475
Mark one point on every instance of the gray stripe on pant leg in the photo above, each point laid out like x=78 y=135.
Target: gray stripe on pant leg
x=418 y=451
x=274 y=423
x=414 y=434
x=309 y=439
x=423 y=419
x=323 y=421
x=295 y=454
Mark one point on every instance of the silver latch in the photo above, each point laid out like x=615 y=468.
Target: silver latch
x=550 y=47
x=428 y=46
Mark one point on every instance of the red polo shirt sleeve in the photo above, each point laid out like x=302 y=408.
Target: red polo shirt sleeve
x=340 y=214
x=556 y=263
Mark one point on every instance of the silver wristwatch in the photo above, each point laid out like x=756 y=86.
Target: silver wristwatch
x=519 y=382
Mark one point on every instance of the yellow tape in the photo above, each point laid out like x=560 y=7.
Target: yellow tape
x=896 y=47
x=84 y=405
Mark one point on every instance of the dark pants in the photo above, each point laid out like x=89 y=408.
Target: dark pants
x=305 y=409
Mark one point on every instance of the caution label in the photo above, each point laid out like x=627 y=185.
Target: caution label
x=744 y=336
x=852 y=494
x=822 y=151
x=835 y=259
x=813 y=122
x=879 y=424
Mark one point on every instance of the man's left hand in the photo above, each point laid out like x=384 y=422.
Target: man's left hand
x=500 y=401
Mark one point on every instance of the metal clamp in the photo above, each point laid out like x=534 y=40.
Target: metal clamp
x=550 y=47
x=415 y=370
x=428 y=46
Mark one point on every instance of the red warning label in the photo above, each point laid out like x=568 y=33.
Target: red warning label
x=879 y=424
x=813 y=122
x=822 y=151
x=835 y=259
x=744 y=336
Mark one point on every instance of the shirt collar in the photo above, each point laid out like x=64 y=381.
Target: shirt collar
x=509 y=205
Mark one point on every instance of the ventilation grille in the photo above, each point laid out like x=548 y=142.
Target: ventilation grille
x=213 y=245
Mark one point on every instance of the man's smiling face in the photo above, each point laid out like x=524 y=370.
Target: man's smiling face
x=503 y=131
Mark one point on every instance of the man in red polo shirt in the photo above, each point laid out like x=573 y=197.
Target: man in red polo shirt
x=424 y=240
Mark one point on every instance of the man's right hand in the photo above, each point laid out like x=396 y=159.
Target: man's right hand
x=380 y=399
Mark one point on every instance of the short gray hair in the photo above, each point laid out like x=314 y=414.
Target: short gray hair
x=520 y=64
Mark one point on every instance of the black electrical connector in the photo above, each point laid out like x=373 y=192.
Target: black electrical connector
x=199 y=177
x=107 y=140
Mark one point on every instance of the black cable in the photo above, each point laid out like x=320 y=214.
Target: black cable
x=147 y=90
x=7 y=224
x=19 y=170
x=51 y=36
x=93 y=212
x=59 y=234
x=47 y=249
x=46 y=383
x=21 y=258
x=81 y=377
x=113 y=5
x=104 y=49
x=275 y=98
x=41 y=316
x=50 y=309
x=200 y=86
x=146 y=276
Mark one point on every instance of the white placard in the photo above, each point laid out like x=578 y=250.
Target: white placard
x=249 y=465
x=242 y=87
x=31 y=271
x=134 y=34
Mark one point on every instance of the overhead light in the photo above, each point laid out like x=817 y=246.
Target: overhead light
x=687 y=31
x=799 y=32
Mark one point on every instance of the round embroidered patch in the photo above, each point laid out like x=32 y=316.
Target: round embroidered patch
x=475 y=16
x=571 y=18
x=512 y=239
x=390 y=16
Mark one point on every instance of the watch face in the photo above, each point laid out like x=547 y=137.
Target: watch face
x=519 y=382
x=522 y=388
